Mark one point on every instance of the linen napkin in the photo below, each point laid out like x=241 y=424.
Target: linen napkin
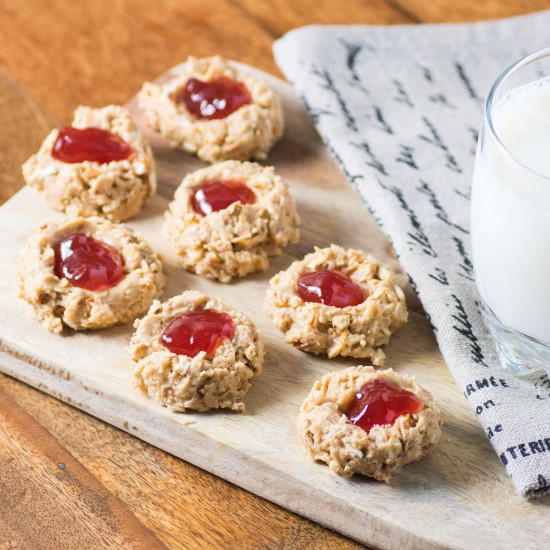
x=399 y=108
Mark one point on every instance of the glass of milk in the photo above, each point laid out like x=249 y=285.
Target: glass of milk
x=511 y=215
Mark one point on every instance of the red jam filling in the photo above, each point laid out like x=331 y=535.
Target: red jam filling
x=88 y=263
x=217 y=98
x=378 y=403
x=196 y=331
x=330 y=288
x=217 y=195
x=89 y=144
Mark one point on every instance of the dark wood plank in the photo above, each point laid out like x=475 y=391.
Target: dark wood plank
x=49 y=500
x=441 y=11
x=280 y=16
x=22 y=130
x=100 y=52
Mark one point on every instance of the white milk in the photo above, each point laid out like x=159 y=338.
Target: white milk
x=511 y=212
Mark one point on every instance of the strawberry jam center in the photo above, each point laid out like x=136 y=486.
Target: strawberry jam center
x=196 y=331
x=217 y=195
x=89 y=144
x=378 y=403
x=87 y=263
x=217 y=98
x=330 y=288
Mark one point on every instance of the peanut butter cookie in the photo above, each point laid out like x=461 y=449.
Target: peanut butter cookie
x=215 y=110
x=100 y=166
x=195 y=353
x=88 y=273
x=338 y=302
x=227 y=219
x=369 y=422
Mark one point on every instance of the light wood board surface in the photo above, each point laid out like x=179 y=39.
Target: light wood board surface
x=459 y=497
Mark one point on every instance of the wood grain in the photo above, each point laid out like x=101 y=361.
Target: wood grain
x=440 y=11
x=185 y=506
x=321 y=12
x=45 y=492
x=68 y=53
x=100 y=52
x=24 y=124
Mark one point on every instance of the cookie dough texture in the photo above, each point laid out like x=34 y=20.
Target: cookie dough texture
x=352 y=331
x=115 y=190
x=57 y=303
x=248 y=132
x=347 y=449
x=239 y=239
x=197 y=383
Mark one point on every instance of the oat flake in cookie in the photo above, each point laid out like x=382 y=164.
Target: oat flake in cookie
x=337 y=302
x=214 y=110
x=195 y=353
x=227 y=219
x=99 y=166
x=88 y=273
x=331 y=416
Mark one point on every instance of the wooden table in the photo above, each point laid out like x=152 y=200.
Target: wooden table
x=123 y=493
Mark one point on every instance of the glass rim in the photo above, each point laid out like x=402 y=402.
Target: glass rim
x=490 y=102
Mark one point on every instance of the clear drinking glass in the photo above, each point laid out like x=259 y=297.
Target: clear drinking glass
x=511 y=215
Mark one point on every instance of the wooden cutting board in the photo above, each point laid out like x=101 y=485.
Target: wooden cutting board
x=458 y=497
